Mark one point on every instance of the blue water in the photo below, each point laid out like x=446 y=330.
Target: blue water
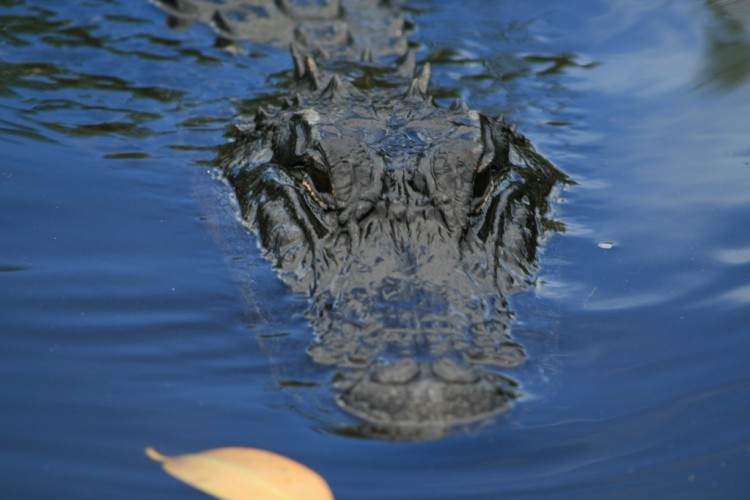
x=135 y=312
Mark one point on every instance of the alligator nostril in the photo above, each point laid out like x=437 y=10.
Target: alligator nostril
x=400 y=372
x=452 y=372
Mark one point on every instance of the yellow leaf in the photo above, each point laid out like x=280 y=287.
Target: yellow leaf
x=245 y=473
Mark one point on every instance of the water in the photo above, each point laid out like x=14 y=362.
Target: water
x=133 y=311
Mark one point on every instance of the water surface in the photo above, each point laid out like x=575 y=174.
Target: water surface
x=135 y=312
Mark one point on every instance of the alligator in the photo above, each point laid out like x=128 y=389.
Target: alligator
x=406 y=224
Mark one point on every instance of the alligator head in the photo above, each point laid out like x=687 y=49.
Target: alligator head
x=407 y=225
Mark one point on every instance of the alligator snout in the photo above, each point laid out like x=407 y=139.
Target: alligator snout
x=441 y=393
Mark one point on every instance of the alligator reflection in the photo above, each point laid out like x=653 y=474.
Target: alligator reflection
x=727 y=63
x=406 y=224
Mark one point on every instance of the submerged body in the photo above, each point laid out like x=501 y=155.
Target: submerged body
x=406 y=224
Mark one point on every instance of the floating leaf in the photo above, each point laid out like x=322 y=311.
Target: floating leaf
x=245 y=473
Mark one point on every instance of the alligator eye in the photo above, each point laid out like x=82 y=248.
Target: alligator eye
x=482 y=189
x=315 y=181
x=320 y=180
